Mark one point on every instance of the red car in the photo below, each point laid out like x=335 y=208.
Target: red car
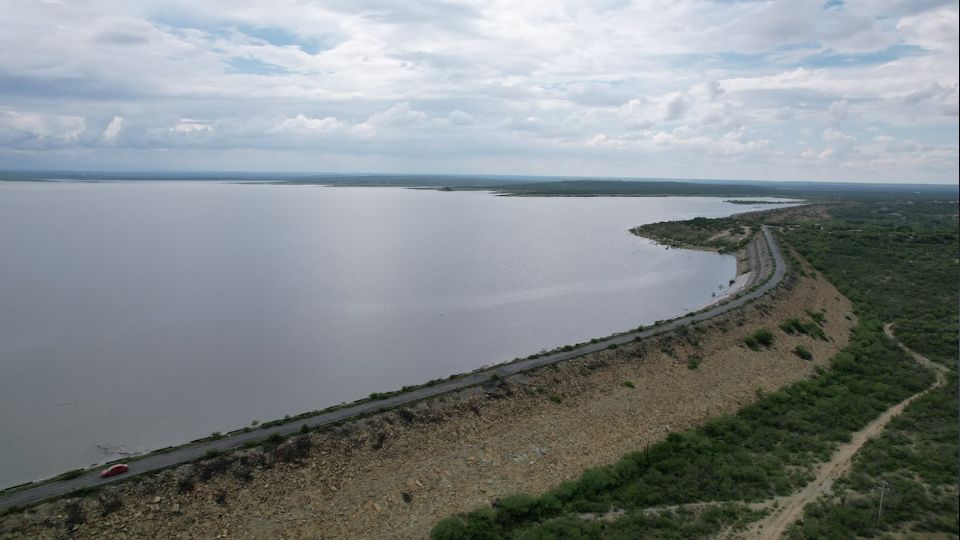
x=114 y=470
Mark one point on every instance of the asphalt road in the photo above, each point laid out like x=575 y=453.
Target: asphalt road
x=31 y=494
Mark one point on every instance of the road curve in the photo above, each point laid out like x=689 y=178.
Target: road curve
x=30 y=494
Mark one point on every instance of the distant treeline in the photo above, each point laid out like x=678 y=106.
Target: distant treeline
x=539 y=186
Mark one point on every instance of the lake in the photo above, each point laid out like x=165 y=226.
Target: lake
x=138 y=315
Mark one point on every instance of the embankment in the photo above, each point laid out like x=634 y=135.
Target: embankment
x=393 y=475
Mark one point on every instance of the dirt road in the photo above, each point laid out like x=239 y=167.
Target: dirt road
x=790 y=508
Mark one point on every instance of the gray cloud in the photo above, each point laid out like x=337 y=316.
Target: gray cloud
x=655 y=88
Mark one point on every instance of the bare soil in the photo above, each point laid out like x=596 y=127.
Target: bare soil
x=394 y=475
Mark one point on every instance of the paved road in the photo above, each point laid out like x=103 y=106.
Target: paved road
x=153 y=462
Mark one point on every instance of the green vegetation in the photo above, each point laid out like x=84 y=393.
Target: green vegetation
x=770 y=447
x=754 y=201
x=555 y=398
x=724 y=234
x=766 y=449
x=796 y=326
x=900 y=257
x=913 y=462
x=899 y=260
x=69 y=475
x=761 y=337
x=629 y=384
x=802 y=352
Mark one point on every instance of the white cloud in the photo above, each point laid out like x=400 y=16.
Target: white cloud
x=837 y=137
x=112 y=130
x=838 y=110
x=936 y=29
x=461 y=118
x=531 y=84
x=35 y=127
x=398 y=115
x=304 y=124
x=189 y=125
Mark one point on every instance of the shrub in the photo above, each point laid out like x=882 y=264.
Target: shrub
x=802 y=352
x=213 y=467
x=796 y=326
x=629 y=384
x=294 y=450
x=693 y=361
x=185 y=485
x=70 y=474
x=764 y=337
x=555 y=398
x=276 y=438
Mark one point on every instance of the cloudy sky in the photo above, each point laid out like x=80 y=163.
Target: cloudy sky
x=800 y=90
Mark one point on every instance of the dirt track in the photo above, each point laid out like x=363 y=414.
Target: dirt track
x=790 y=508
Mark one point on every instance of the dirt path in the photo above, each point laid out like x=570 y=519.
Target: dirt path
x=790 y=508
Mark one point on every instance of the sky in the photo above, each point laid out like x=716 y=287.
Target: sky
x=835 y=90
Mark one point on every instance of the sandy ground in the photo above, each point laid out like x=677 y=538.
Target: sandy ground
x=395 y=475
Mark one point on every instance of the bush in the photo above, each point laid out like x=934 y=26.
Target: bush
x=802 y=352
x=294 y=450
x=796 y=326
x=629 y=384
x=764 y=337
x=761 y=337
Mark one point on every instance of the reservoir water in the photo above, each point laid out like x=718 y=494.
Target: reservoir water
x=139 y=315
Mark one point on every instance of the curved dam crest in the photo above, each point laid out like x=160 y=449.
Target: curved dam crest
x=139 y=315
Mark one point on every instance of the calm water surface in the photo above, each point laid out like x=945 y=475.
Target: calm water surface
x=138 y=315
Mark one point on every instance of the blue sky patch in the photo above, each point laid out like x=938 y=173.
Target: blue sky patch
x=829 y=59
x=254 y=66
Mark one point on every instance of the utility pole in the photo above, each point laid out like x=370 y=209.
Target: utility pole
x=883 y=487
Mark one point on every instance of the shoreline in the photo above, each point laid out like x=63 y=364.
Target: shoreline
x=65 y=483
x=392 y=475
